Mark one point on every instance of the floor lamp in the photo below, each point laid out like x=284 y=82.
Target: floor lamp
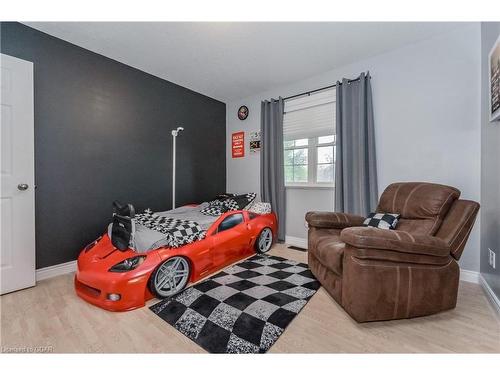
x=175 y=133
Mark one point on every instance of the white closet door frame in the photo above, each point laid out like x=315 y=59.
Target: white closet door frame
x=17 y=205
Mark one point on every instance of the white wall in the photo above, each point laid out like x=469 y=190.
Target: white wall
x=299 y=202
x=426 y=100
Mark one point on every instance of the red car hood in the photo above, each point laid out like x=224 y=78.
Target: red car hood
x=103 y=255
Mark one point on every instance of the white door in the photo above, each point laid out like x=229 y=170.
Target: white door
x=17 y=204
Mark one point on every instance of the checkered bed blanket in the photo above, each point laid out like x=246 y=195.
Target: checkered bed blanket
x=177 y=232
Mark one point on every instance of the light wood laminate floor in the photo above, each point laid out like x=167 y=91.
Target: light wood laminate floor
x=50 y=314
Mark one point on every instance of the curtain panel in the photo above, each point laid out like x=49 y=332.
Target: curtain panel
x=356 y=165
x=272 y=176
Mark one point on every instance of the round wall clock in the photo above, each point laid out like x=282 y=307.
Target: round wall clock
x=243 y=112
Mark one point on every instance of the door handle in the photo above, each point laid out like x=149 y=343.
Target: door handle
x=22 y=187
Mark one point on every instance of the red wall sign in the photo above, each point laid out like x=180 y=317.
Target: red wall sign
x=238 y=145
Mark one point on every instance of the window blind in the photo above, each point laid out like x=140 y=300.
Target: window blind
x=310 y=116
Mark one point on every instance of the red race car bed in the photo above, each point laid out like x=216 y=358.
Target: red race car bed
x=168 y=250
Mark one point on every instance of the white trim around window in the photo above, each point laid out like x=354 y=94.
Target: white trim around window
x=310 y=186
x=312 y=164
x=307 y=120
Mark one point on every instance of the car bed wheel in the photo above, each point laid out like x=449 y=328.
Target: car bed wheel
x=264 y=241
x=170 y=277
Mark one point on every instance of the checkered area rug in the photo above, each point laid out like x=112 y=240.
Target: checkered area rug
x=244 y=308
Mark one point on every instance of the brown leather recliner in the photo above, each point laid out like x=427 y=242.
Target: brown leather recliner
x=380 y=274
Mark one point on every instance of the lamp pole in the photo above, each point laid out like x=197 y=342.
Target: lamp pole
x=175 y=133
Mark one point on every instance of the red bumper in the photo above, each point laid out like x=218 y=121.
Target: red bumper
x=114 y=291
x=97 y=290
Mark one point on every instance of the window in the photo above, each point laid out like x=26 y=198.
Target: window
x=325 y=163
x=230 y=222
x=309 y=140
x=296 y=160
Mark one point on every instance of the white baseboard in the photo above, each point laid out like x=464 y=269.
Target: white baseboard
x=296 y=241
x=56 y=270
x=469 y=276
x=489 y=293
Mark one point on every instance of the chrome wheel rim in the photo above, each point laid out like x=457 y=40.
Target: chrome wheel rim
x=172 y=276
x=265 y=240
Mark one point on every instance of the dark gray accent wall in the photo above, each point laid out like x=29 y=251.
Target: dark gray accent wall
x=490 y=167
x=102 y=132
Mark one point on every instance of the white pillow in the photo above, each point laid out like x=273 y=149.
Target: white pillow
x=260 y=208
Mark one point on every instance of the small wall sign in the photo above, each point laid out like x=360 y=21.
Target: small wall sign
x=243 y=112
x=238 y=145
x=254 y=141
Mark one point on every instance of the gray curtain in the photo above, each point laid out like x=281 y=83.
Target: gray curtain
x=356 y=165
x=272 y=178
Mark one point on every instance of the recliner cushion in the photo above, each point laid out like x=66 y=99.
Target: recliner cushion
x=419 y=226
x=422 y=205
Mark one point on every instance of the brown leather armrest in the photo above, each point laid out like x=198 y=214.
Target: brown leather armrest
x=395 y=240
x=336 y=220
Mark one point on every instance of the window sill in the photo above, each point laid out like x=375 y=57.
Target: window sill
x=310 y=187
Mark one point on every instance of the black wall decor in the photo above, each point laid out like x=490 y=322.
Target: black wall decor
x=243 y=112
x=102 y=132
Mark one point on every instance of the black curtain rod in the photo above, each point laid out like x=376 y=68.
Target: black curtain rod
x=321 y=89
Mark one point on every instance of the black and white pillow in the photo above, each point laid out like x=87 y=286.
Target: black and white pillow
x=239 y=202
x=382 y=220
x=250 y=197
x=214 y=210
x=219 y=199
x=220 y=205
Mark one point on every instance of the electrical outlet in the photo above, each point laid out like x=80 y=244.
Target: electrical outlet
x=492 y=258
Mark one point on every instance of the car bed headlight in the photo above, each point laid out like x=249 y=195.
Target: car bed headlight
x=128 y=264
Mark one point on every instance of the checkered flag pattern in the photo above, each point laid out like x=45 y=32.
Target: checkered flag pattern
x=214 y=210
x=248 y=200
x=237 y=202
x=177 y=232
x=231 y=205
x=244 y=308
x=382 y=221
x=216 y=202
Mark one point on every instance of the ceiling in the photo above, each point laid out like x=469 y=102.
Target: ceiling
x=229 y=61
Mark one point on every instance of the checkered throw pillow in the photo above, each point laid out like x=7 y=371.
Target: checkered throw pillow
x=239 y=202
x=219 y=199
x=382 y=220
x=214 y=210
x=232 y=203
